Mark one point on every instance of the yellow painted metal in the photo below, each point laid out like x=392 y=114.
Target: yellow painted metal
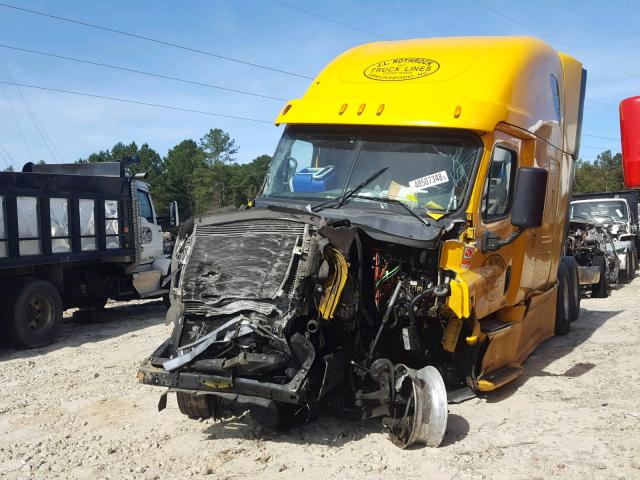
x=452 y=332
x=338 y=272
x=466 y=82
x=219 y=383
x=501 y=377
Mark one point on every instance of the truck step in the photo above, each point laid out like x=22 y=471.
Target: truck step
x=500 y=377
x=460 y=395
x=494 y=327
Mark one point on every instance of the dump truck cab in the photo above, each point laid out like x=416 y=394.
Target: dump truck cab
x=408 y=240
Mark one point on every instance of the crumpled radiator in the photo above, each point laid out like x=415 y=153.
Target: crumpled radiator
x=240 y=266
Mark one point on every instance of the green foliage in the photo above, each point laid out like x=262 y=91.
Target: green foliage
x=9 y=169
x=199 y=176
x=603 y=175
x=218 y=147
x=179 y=179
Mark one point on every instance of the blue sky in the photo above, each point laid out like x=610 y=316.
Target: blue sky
x=603 y=35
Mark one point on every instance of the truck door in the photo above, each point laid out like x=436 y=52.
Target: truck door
x=150 y=231
x=495 y=218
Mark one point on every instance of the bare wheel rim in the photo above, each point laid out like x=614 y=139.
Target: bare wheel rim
x=39 y=314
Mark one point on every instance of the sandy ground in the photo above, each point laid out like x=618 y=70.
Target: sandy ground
x=75 y=410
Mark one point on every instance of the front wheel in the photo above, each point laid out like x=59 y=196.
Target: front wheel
x=563 y=305
x=32 y=313
x=574 y=287
x=197 y=406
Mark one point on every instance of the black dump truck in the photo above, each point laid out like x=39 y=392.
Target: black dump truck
x=75 y=235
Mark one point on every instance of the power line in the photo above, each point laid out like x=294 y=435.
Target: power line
x=331 y=20
x=560 y=42
x=25 y=104
x=15 y=118
x=137 y=102
x=596 y=147
x=617 y=140
x=155 y=40
x=605 y=104
x=140 y=72
x=6 y=154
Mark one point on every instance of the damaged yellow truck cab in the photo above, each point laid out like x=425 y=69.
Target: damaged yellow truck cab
x=407 y=249
x=525 y=102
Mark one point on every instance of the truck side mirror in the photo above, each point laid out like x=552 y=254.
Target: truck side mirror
x=630 y=138
x=529 y=198
x=174 y=216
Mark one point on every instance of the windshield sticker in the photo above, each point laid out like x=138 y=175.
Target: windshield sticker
x=619 y=212
x=399 y=69
x=429 y=180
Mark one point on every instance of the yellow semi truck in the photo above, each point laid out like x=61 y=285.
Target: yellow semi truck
x=407 y=249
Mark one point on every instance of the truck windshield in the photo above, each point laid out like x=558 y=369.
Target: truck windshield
x=425 y=171
x=600 y=211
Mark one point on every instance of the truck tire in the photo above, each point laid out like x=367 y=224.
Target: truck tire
x=625 y=276
x=197 y=406
x=563 y=321
x=32 y=313
x=600 y=289
x=574 y=287
x=634 y=264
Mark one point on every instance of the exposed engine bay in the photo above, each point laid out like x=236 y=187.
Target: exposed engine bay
x=287 y=313
x=596 y=254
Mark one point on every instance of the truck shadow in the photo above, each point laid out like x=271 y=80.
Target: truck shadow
x=328 y=430
x=555 y=348
x=118 y=318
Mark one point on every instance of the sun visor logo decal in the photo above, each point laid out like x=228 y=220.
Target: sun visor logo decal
x=400 y=69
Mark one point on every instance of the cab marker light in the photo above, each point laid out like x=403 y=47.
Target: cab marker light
x=457 y=112
x=380 y=109
x=286 y=109
x=342 y=109
x=361 y=108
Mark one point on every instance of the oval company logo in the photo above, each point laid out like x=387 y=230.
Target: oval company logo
x=399 y=69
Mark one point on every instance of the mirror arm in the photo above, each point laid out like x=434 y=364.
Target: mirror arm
x=491 y=242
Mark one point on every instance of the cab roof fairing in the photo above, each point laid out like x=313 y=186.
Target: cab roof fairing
x=471 y=83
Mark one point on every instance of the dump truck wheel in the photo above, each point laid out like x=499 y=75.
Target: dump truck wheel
x=563 y=313
x=197 y=406
x=574 y=288
x=32 y=314
x=600 y=290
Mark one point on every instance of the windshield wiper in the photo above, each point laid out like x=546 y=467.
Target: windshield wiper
x=429 y=222
x=349 y=193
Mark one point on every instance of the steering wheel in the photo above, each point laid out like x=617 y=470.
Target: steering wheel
x=292 y=165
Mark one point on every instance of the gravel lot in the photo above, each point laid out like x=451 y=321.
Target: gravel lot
x=75 y=410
